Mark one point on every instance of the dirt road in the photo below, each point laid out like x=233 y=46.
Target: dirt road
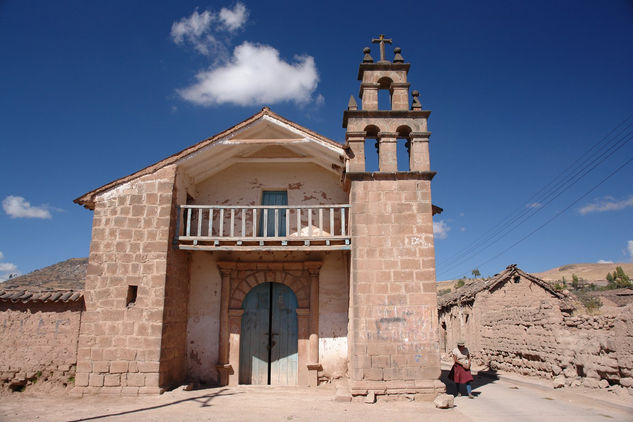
x=497 y=400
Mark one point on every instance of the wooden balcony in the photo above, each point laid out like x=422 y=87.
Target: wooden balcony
x=263 y=227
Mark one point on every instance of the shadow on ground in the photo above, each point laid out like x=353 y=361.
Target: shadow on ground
x=204 y=401
x=480 y=379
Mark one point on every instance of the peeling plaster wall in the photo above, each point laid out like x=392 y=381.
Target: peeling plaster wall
x=333 y=317
x=203 y=326
x=242 y=184
x=204 y=310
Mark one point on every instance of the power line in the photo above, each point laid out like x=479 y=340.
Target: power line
x=507 y=228
x=561 y=183
x=560 y=212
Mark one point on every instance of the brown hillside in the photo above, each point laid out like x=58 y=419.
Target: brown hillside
x=588 y=272
x=69 y=274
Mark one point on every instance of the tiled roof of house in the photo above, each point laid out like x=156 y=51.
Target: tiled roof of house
x=44 y=296
x=65 y=275
x=468 y=292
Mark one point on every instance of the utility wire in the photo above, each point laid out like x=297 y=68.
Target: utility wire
x=502 y=231
x=551 y=192
x=560 y=212
x=579 y=162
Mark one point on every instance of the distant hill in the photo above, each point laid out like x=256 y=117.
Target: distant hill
x=590 y=272
x=594 y=273
x=69 y=274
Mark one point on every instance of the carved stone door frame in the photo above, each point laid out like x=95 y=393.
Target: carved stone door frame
x=238 y=278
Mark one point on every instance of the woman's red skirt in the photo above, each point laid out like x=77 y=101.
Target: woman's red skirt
x=460 y=374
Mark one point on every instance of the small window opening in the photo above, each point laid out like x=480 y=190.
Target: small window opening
x=132 y=291
x=517 y=279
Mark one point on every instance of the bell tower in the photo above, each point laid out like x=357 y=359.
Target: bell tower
x=393 y=329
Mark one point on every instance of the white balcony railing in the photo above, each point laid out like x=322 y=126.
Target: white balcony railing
x=263 y=227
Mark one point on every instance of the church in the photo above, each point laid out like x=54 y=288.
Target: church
x=267 y=254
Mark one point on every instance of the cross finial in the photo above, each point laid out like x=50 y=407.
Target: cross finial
x=382 y=40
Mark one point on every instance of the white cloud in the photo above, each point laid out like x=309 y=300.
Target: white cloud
x=18 y=207
x=440 y=229
x=629 y=247
x=604 y=261
x=201 y=29
x=234 y=19
x=196 y=30
x=255 y=75
x=7 y=269
x=607 y=203
x=534 y=205
x=7 y=266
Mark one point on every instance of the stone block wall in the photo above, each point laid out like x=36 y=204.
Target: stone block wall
x=393 y=342
x=120 y=343
x=39 y=342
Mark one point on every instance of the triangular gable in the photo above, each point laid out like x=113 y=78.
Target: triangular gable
x=236 y=134
x=467 y=293
x=273 y=151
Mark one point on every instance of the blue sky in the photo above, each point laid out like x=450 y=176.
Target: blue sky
x=92 y=91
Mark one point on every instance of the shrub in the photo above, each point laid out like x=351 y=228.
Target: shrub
x=442 y=292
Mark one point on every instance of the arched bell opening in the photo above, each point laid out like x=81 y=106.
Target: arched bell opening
x=385 y=93
x=403 y=148
x=371 y=148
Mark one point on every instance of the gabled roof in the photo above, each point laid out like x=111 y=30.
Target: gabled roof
x=231 y=135
x=467 y=293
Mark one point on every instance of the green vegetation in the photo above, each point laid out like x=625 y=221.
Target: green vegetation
x=460 y=283
x=618 y=279
x=476 y=272
x=442 y=292
x=591 y=303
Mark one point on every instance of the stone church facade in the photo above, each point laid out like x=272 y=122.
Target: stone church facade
x=267 y=254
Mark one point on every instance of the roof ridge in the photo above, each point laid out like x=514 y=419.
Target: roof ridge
x=87 y=199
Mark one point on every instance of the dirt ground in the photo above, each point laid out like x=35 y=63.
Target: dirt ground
x=243 y=403
x=509 y=397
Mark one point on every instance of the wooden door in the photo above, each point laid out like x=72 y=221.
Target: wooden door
x=283 y=360
x=254 y=356
x=269 y=336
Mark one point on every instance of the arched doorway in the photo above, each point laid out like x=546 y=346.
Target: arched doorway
x=269 y=336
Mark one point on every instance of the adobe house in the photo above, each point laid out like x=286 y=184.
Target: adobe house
x=517 y=322
x=266 y=254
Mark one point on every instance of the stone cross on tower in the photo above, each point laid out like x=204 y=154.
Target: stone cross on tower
x=382 y=40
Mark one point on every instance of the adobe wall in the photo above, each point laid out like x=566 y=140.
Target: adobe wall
x=520 y=328
x=516 y=323
x=204 y=311
x=393 y=311
x=119 y=345
x=307 y=184
x=39 y=342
